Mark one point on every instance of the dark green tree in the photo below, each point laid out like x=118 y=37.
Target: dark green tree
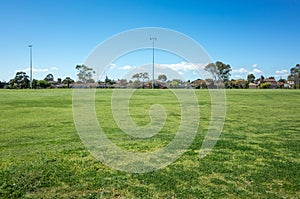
x=262 y=78
x=49 y=78
x=43 y=84
x=68 y=81
x=250 y=78
x=162 y=77
x=34 y=83
x=20 y=81
x=108 y=81
x=223 y=70
x=295 y=75
x=282 y=80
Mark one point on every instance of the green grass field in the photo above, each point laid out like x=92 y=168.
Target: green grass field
x=257 y=155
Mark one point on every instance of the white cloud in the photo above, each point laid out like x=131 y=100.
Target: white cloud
x=238 y=77
x=245 y=71
x=254 y=65
x=38 y=70
x=126 y=67
x=112 y=66
x=281 y=72
x=256 y=71
x=182 y=66
x=181 y=70
x=239 y=71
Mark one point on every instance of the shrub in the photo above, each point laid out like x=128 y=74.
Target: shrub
x=43 y=84
x=265 y=85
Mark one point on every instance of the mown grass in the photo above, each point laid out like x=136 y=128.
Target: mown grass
x=257 y=155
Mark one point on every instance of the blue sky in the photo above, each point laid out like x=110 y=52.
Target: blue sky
x=260 y=36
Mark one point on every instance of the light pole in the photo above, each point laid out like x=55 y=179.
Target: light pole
x=153 y=39
x=30 y=47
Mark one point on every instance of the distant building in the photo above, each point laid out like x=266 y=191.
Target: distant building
x=286 y=85
x=291 y=84
x=272 y=82
x=253 y=86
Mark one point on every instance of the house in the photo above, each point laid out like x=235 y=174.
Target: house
x=286 y=85
x=272 y=82
x=291 y=84
x=253 y=86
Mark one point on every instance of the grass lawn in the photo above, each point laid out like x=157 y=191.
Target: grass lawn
x=257 y=155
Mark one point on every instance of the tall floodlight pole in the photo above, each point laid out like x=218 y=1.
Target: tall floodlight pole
x=30 y=47
x=153 y=39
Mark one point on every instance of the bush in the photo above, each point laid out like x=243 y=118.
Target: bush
x=43 y=84
x=265 y=85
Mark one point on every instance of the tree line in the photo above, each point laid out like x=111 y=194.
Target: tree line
x=220 y=78
x=21 y=81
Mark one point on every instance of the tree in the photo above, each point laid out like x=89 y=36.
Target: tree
x=241 y=83
x=49 y=78
x=43 y=84
x=108 y=81
x=223 y=70
x=68 y=81
x=162 y=77
x=209 y=83
x=295 y=75
x=123 y=82
x=262 y=78
x=85 y=74
x=20 y=81
x=142 y=76
x=282 y=80
x=59 y=80
x=250 y=78
x=199 y=84
x=175 y=83
x=219 y=69
x=265 y=85
x=34 y=83
x=2 y=84
x=136 y=76
x=211 y=68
